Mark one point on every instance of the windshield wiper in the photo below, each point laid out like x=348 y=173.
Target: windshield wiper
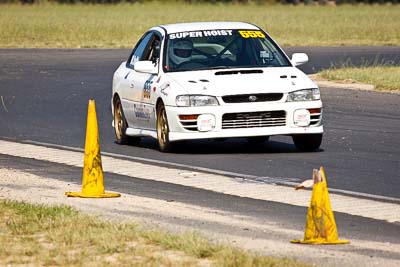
x=217 y=68
x=245 y=71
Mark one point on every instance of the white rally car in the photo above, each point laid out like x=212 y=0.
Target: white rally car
x=214 y=80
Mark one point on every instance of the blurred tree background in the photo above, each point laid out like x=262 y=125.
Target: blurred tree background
x=261 y=2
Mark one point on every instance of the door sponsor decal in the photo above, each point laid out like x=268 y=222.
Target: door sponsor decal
x=147 y=89
x=142 y=112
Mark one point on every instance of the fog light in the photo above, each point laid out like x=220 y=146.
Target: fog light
x=314 y=110
x=188 y=117
x=301 y=117
x=205 y=122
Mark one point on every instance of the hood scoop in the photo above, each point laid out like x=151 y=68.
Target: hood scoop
x=231 y=72
x=285 y=76
x=201 y=80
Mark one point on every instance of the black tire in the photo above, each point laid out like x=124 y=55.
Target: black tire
x=220 y=139
x=257 y=139
x=307 y=142
x=120 y=126
x=163 y=130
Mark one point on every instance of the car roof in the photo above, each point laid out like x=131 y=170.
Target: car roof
x=197 y=26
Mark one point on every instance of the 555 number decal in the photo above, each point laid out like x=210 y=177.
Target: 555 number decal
x=252 y=34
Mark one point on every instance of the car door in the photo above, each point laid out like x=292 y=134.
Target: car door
x=132 y=84
x=144 y=109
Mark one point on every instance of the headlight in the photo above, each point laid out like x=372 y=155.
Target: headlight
x=304 y=95
x=196 y=100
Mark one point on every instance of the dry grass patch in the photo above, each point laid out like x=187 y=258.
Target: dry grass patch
x=384 y=78
x=115 y=26
x=59 y=236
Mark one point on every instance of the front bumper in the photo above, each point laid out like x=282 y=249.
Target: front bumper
x=179 y=132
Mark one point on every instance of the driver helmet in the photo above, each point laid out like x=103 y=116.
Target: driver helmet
x=181 y=51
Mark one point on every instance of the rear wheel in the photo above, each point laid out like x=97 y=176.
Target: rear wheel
x=307 y=142
x=120 y=126
x=163 y=130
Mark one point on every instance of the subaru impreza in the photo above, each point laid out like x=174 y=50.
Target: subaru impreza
x=211 y=80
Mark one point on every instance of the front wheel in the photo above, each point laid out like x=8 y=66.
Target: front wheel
x=307 y=142
x=163 y=130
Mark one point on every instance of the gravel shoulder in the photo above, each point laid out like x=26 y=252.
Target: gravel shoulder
x=218 y=225
x=346 y=84
x=341 y=84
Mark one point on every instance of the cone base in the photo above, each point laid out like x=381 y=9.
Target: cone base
x=320 y=242
x=79 y=194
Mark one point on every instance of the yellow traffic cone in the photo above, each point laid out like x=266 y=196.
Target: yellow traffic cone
x=320 y=224
x=92 y=178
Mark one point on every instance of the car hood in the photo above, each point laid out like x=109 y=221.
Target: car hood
x=242 y=81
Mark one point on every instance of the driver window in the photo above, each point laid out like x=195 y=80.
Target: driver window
x=153 y=50
x=140 y=49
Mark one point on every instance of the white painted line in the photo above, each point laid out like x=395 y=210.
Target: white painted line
x=251 y=178
x=214 y=182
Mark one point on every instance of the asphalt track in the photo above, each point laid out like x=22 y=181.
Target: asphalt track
x=44 y=96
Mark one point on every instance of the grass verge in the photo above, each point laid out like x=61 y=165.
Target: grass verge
x=40 y=236
x=384 y=78
x=120 y=26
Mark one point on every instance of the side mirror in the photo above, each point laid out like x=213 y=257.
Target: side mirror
x=145 y=67
x=299 y=58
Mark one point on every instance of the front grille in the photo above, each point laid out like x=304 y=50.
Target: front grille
x=252 y=98
x=254 y=119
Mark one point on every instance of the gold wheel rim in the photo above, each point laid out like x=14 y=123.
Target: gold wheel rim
x=118 y=120
x=163 y=128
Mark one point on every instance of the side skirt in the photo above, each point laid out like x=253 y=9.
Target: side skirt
x=141 y=132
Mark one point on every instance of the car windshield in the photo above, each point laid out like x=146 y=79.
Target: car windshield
x=220 y=49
